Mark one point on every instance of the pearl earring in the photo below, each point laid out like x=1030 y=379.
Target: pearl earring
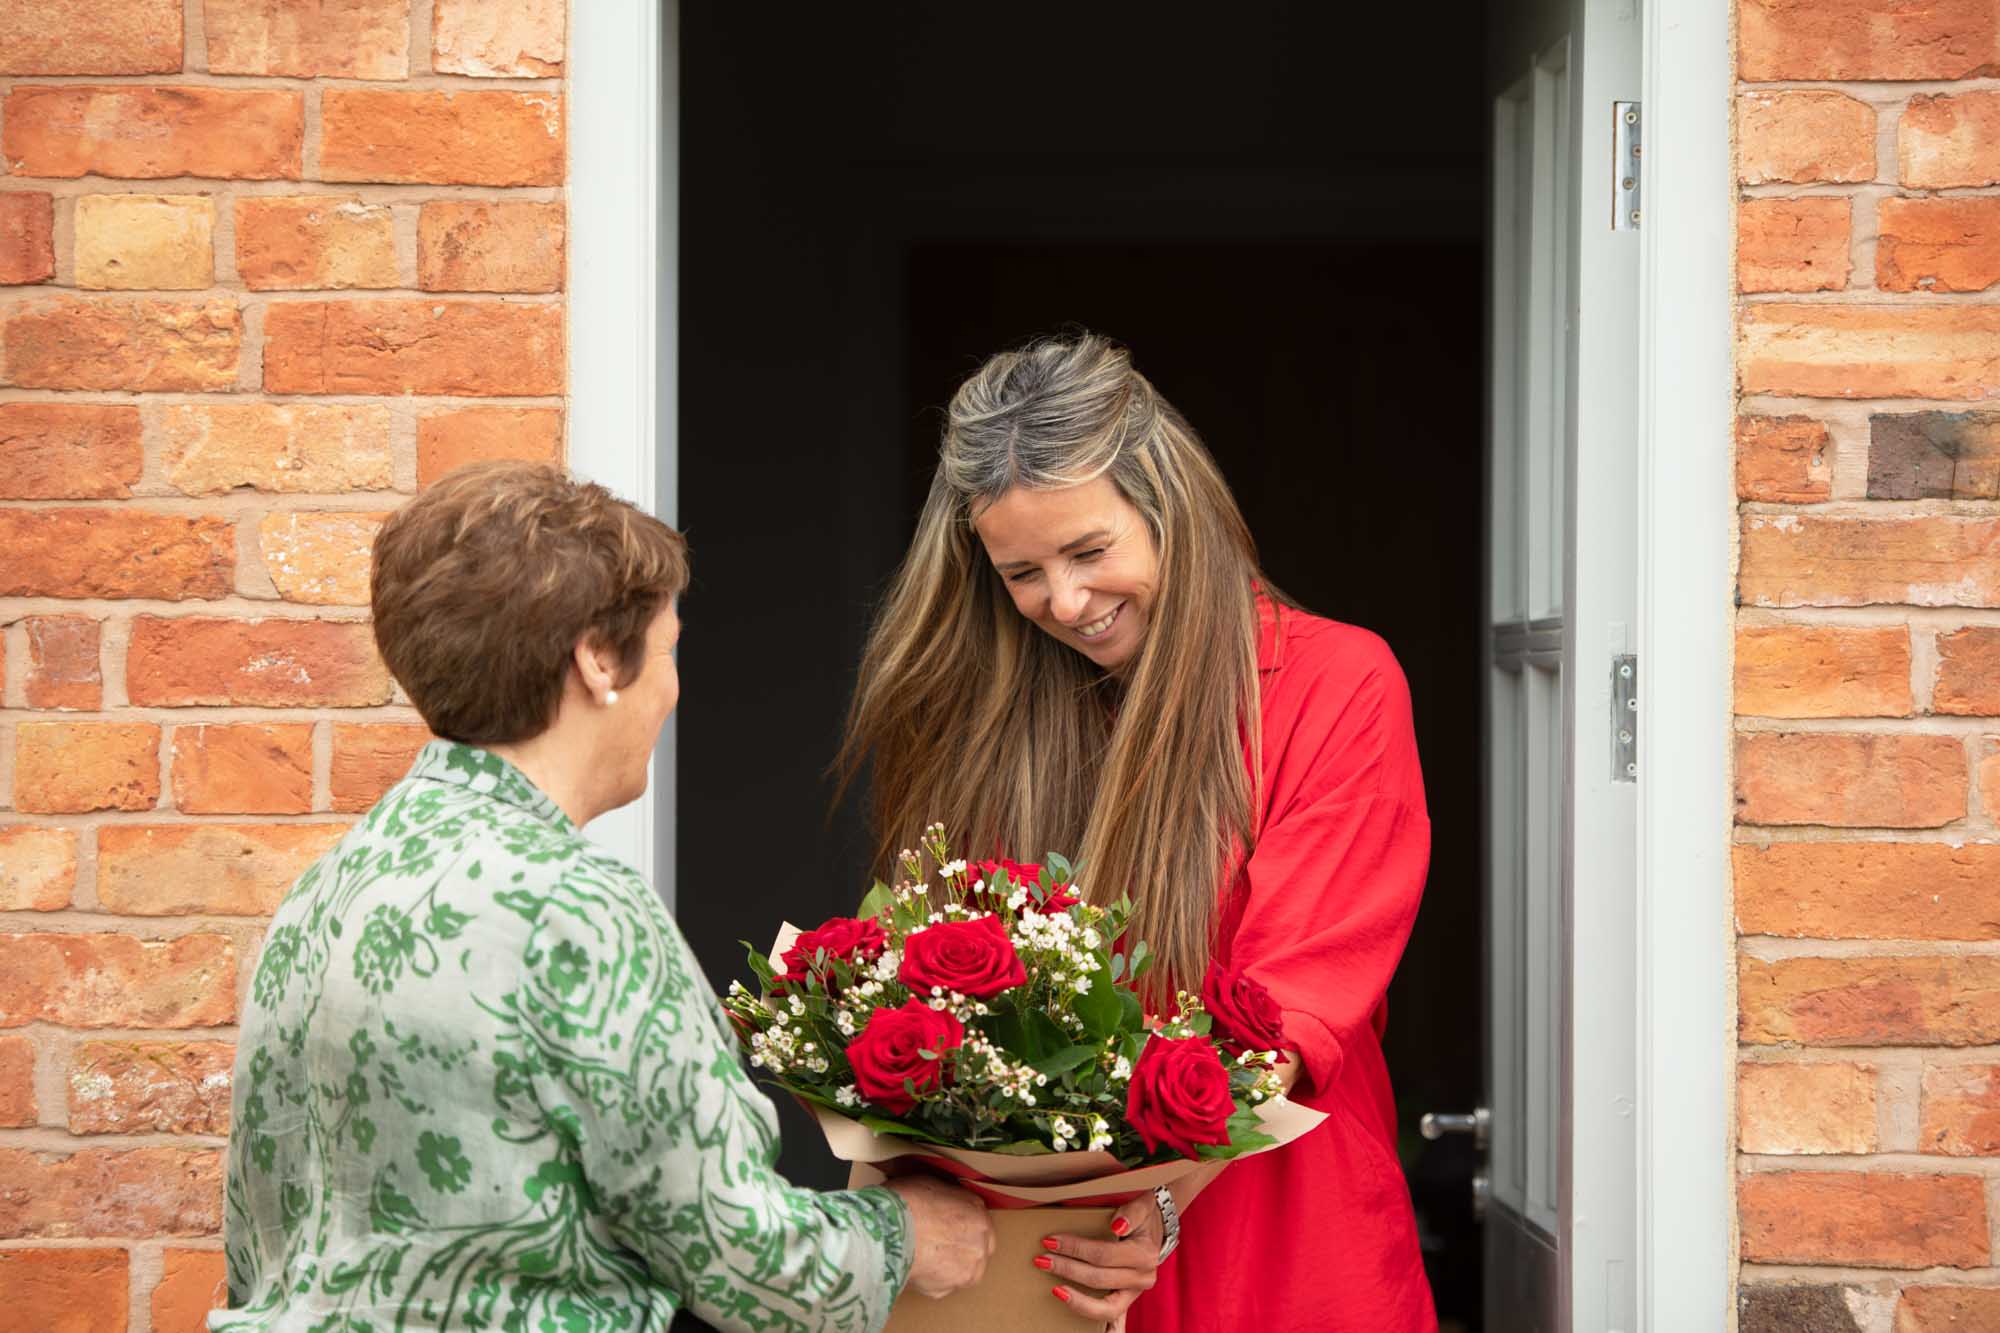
x=610 y=698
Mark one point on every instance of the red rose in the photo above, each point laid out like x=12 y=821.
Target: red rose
x=842 y=937
x=971 y=957
x=1026 y=875
x=1246 y=1017
x=1179 y=1095
x=890 y=1049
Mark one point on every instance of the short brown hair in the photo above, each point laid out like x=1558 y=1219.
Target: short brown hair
x=484 y=583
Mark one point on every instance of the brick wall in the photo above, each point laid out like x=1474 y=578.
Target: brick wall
x=268 y=266
x=1868 y=664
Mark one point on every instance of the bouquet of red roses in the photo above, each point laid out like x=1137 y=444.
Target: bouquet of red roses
x=982 y=1021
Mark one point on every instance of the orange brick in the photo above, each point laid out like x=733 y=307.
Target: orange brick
x=466 y=348
x=27 y=236
x=210 y=449
x=62 y=663
x=1869 y=890
x=304 y=39
x=1933 y=1001
x=446 y=440
x=66 y=1290
x=1948 y=141
x=1805 y=136
x=68 y=451
x=1872 y=1219
x=138 y=1087
x=137 y=1192
x=191 y=869
x=140 y=242
x=436 y=138
x=469 y=245
x=1968 y=681
x=91 y=37
x=1822 y=671
x=1947 y=1309
x=117 y=981
x=1870 y=351
x=76 y=767
x=321 y=558
x=521 y=40
x=314 y=241
x=1782 y=459
x=1792 y=245
x=17 y=1088
x=371 y=757
x=1912 y=560
x=193 y=1283
x=243 y=769
x=1961 y=1110
x=124 y=344
x=114 y=553
x=150 y=132
x=1938 y=245
x=1851 y=781
x=1821 y=1107
x=1989 y=779
x=37 y=870
x=1867 y=39
x=195 y=660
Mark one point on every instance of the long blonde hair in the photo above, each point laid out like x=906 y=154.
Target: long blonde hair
x=972 y=716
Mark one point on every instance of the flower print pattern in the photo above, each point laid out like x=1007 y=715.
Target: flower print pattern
x=482 y=1084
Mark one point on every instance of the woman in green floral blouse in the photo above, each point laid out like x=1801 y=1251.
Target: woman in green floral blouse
x=482 y=1083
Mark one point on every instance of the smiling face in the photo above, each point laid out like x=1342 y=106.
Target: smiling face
x=1079 y=562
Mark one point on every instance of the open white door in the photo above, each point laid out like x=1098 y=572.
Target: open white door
x=1561 y=724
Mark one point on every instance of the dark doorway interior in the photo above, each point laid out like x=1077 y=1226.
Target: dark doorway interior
x=1286 y=232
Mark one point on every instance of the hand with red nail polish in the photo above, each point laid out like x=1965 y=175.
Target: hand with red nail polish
x=1123 y=1267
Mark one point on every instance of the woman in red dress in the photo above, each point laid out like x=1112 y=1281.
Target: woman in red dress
x=1081 y=652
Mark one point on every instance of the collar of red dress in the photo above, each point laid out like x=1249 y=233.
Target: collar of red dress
x=1270 y=635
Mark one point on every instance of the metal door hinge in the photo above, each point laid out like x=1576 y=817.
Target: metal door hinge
x=1625 y=718
x=1625 y=148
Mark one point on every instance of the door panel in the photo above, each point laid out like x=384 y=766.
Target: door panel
x=1561 y=1227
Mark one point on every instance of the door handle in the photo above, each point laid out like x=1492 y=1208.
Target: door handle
x=1435 y=1125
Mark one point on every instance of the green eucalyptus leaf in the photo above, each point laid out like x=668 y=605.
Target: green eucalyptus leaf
x=1070 y=1057
x=880 y=899
x=1099 y=1007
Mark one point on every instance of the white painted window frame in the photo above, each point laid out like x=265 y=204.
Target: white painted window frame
x=623 y=107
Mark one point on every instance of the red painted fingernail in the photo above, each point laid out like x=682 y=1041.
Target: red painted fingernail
x=1062 y=1293
x=1119 y=1226
x=1043 y=1262
x=1051 y=1243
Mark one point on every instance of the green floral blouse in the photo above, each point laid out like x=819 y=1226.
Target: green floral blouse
x=482 y=1084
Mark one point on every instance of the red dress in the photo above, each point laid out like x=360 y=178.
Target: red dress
x=1318 y=1235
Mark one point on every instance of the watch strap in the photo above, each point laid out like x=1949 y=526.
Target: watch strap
x=1170 y=1221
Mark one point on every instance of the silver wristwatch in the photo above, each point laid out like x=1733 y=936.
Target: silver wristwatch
x=1170 y=1221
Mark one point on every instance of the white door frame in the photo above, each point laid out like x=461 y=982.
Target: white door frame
x=1687 y=510
x=623 y=119
x=623 y=331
